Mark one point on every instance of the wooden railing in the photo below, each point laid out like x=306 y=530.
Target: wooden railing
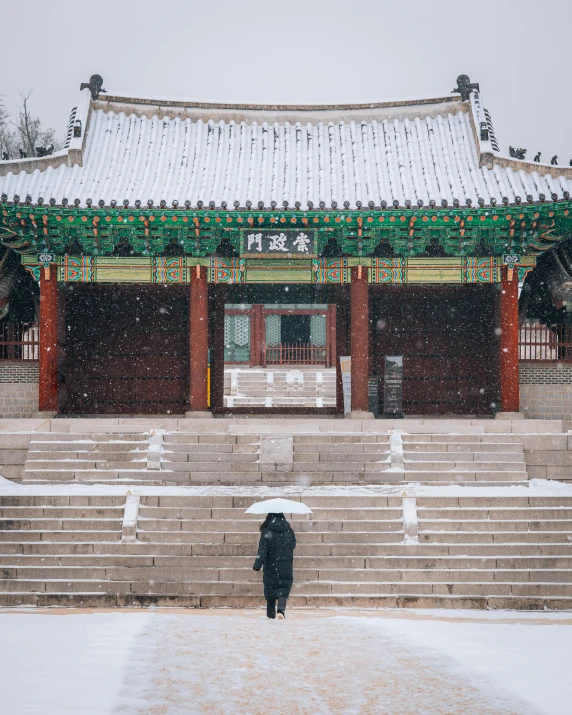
x=19 y=341
x=543 y=343
x=296 y=354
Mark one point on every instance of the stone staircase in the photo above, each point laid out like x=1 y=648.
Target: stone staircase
x=56 y=457
x=312 y=460
x=465 y=552
x=280 y=386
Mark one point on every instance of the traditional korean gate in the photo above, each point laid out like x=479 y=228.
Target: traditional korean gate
x=126 y=350
x=446 y=337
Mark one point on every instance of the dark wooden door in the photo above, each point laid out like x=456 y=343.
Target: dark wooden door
x=295 y=329
x=446 y=337
x=126 y=350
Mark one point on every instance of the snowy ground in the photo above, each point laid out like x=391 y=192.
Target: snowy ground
x=315 y=662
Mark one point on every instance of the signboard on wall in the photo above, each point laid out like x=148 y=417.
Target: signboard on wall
x=393 y=385
x=346 y=369
x=279 y=243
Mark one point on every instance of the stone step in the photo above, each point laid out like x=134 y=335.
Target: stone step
x=234 y=525
x=248 y=537
x=364 y=549
x=237 y=513
x=61 y=535
x=334 y=600
x=89 y=437
x=64 y=512
x=62 y=500
x=216 y=560
x=471 y=447
x=426 y=525
x=314 y=586
x=197 y=449
x=300 y=477
x=356 y=576
x=508 y=514
x=87 y=456
x=464 y=466
x=493 y=459
x=346 y=448
x=468 y=537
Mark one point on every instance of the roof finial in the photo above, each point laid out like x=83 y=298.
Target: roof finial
x=95 y=85
x=465 y=87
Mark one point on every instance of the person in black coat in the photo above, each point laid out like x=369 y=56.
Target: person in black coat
x=276 y=555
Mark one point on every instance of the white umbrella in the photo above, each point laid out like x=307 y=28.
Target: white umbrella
x=278 y=506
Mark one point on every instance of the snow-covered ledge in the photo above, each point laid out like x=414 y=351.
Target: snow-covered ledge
x=130 y=518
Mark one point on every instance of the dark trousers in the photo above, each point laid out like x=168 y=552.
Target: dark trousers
x=271 y=606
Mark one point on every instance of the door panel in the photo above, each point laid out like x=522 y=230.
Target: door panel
x=446 y=337
x=126 y=350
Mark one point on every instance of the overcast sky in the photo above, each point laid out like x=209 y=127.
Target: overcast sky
x=300 y=50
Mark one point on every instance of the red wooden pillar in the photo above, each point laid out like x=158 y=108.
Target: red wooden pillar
x=342 y=342
x=359 y=338
x=257 y=334
x=508 y=309
x=48 y=358
x=217 y=345
x=331 y=335
x=199 y=337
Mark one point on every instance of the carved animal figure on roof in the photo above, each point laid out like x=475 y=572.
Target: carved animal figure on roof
x=44 y=150
x=516 y=153
x=465 y=87
x=22 y=154
x=554 y=160
x=5 y=156
x=537 y=157
x=95 y=85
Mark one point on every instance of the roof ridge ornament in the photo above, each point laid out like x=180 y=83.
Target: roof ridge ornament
x=465 y=87
x=95 y=86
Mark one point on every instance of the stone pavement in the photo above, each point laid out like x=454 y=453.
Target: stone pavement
x=315 y=662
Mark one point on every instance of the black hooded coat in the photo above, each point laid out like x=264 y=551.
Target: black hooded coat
x=276 y=555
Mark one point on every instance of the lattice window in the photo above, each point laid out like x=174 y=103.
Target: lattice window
x=242 y=330
x=237 y=338
x=273 y=330
x=318 y=330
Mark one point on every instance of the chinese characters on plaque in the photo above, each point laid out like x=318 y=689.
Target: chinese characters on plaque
x=279 y=243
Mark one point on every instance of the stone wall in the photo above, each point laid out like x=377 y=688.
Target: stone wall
x=18 y=388
x=546 y=390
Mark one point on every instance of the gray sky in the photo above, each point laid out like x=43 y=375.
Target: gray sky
x=300 y=50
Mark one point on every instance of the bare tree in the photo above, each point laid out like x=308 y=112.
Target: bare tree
x=6 y=136
x=25 y=137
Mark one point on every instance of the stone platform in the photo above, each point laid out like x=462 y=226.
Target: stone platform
x=424 y=513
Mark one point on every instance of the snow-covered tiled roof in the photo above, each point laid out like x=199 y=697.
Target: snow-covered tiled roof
x=423 y=152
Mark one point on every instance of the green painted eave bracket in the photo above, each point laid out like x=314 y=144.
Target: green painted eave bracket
x=98 y=231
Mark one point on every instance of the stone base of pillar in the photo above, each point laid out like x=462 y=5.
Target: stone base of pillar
x=358 y=415
x=45 y=415
x=199 y=415
x=509 y=416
